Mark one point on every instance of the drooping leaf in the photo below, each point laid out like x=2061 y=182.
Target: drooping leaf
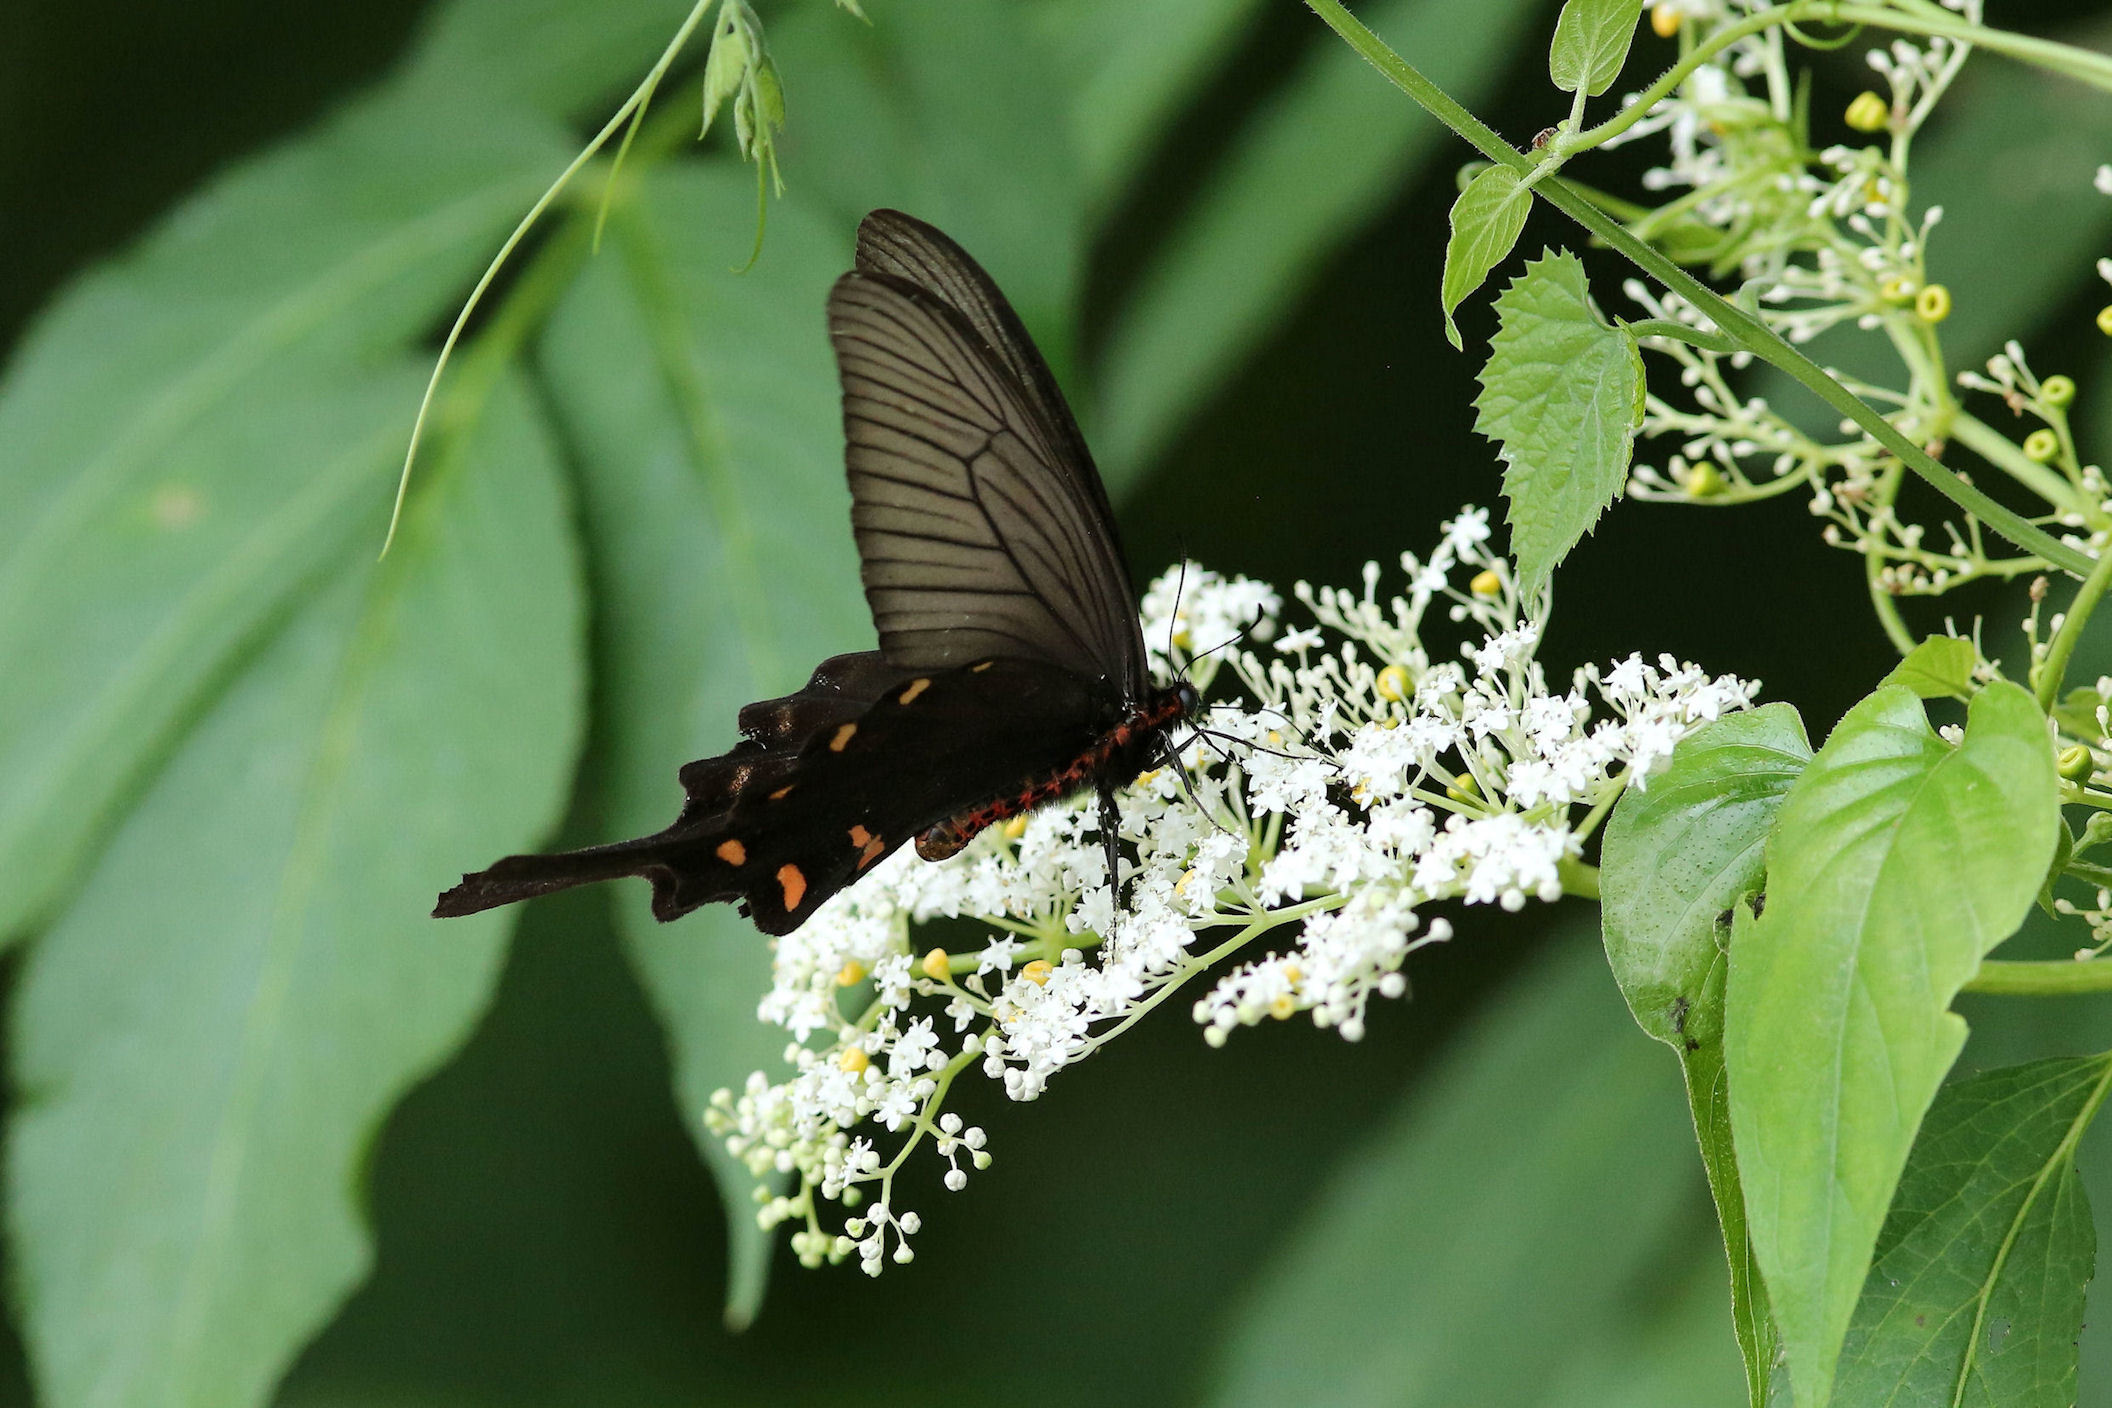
x=1681 y=851
x=1941 y=667
x=185 y=439
x=1591 y=43
x=1976 y=1296
x=209 y=1038
x=1486 y=221
x=1317 y=163
x=954 y=111
x=1678 y=858
x=1562 y=395
x=1492 y=1232
x=704 y=411
x=1896 y=864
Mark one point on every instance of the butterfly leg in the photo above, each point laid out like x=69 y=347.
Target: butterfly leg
x=1111 y=838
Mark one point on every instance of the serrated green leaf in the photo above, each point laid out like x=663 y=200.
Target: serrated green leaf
x=1976 y=1296
x=1486 y=221
x=1591 y=43
x=1681 y=851
x=209 y=1038
x=1561 y=395
x=1941 y=667
x=1323 y=157
x=1491 y=1233
x=706 y=417
x=186 y=435
x=1896 y=864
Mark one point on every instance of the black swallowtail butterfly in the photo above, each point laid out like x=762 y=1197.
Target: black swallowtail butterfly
x=1011 y=667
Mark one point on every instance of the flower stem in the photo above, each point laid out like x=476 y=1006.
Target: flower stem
x=2054 y=667
x=1742 y=327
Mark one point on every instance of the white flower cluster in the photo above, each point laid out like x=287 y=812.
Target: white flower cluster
x=1363 y=779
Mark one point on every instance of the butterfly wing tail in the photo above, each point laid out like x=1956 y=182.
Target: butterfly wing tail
x=517 y=878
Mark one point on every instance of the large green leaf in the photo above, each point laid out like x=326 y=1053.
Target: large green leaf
x=955 y=111
x=1495 y=1229
x=208 y=1039
x=1897 y=863
x=1318 y=161
x=559 y=57
x=1562 y=396
x=1976 y=1296
x=704 y=409
x=185 y=436
x=1132 y=66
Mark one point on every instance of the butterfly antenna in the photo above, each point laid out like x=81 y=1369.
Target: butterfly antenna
x=1248 y=630
x=1173 y=622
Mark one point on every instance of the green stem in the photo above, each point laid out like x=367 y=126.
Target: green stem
x=2000 y=451
x=1752 y=334
x=1680 y=332
x=2080 y=64
x=2053 y=977
x=2054 y=667
x=1672 y=77
x=1578 y=878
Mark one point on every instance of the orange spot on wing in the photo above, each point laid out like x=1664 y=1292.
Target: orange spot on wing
x=978 y=669
x=842 y=738
x=794 y=885
x=916 y=687
x=733 y=852
x=860 y=837
x=783 y=792
x=871 y=853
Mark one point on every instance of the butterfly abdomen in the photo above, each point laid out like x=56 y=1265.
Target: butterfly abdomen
x=1115 y=759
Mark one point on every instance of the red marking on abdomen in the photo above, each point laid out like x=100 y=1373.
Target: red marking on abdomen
x=949 y=836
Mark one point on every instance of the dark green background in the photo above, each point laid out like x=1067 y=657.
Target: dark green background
x=546 y=1233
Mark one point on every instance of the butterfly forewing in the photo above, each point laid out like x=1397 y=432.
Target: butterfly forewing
x=980 y=528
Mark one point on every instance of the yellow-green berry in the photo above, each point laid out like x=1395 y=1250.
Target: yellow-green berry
x=1393 y=683
x=2041 y=445
x=2074 y=762
x=1868 y=113
x=1933 y=303
x=1898 y=288
x=2104 y=320
x=1486 y=582
x=2056 y=391
x=1664 y=20
x=1702 y=481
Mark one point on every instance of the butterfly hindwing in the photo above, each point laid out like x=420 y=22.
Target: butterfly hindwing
x=791 y=815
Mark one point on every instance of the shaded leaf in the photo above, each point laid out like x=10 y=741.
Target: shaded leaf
x=1681 y=851
x=1897 y=863
x=1486 y=221
x=208 y=1039
x=1976 y=1296
x=704 y=408
x=185 y=438
x=1490 y=1234
x=1591 y=43
x=1562 y=395
x=1318 y=161
x=1941 y=667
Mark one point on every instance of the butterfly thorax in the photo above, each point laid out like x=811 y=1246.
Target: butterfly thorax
x=1115 y=759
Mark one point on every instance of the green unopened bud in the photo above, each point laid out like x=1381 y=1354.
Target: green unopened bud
x=2056 y=391
x=1464 y=788
x=1868 y=113
x=1702 y=481
x=2075 y=762
x=2041 y=445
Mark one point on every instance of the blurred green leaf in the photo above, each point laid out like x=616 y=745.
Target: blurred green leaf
x=1680 y=851
x=1671 y=1353
x=956 y=112
x=1132 y=66
x=1495 y=1230
x=1318 y=161
x=562 y=58
x=1486 y=221
x=186 y=436
x=704 y=408
x=1591 y=43
x=208 y=1039
x=1976 y=1296
x=1561 y=395
x=1941 y=667
x=1896 y=864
